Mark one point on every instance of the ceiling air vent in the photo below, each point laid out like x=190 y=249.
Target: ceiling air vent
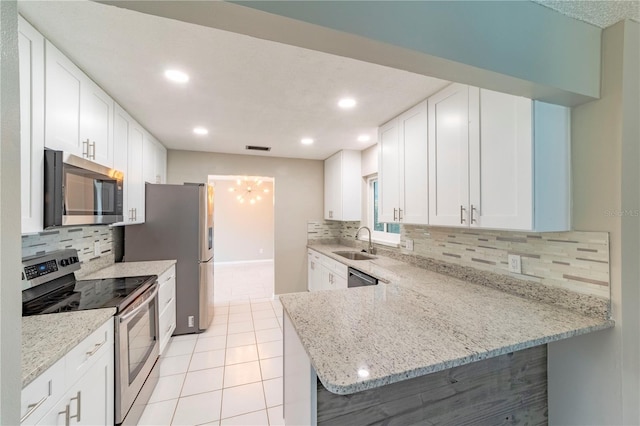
x=258 y=148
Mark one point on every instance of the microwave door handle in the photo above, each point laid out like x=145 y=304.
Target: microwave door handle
x=128 y=315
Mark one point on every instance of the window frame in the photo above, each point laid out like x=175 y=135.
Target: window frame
x=380 y=237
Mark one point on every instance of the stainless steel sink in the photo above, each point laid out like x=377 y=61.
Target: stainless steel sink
x=354 y=255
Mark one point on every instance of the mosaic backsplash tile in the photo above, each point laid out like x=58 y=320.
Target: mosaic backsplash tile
x=80 y=238
x=575 y=261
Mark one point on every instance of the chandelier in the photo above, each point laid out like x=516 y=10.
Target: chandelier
x=249 y=190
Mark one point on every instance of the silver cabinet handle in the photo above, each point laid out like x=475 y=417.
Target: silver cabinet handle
x=130 y=215
x=67 y=415
x=399 y=215
x=461 y=214
x=473 y=219
x=34 y=407
x=85 y=148
x=96 y=348
x=92 y=145
x=312 y=266
x=394 y=214
x=135 y=214
x=78 y=405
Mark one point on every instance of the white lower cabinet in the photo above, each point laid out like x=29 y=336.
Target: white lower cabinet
x=314 y=271
x=76 y=390
x=325 y=273
x=167 y=306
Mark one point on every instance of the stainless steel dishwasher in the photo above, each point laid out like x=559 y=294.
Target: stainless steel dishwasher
x=360 y=279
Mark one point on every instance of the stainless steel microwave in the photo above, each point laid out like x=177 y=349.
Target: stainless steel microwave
x=80 y=192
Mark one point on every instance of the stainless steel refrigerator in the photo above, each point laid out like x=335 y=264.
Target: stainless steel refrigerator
x=179 y=225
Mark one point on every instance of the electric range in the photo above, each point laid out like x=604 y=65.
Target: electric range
x=50 y=286
x=55 y=288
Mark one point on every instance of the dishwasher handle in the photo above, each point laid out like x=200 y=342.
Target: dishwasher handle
x=366 y=279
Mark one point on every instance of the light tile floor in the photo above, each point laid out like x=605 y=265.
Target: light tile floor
x=232 y=373
x=243 y=281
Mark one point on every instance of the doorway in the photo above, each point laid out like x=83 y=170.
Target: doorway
x=244 y=238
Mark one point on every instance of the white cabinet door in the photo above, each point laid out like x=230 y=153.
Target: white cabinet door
x=332 y=187
x=500 y=161
x=167 y=306
x=96 y=122
x=149 y=158
x=161 y=163
x=128 y=159
x=31 y=63
x=342 y=186
x=63 y=86
x=136 y=168
x=413 y=204
x=389 y=171
x=78 y=114
x=314 y=271
x=89 y=401
x=449 y=156
x=121 y=130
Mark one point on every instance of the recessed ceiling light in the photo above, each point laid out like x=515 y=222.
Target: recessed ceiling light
x=306 y=141
x=176 y=76
x=347 y=103
x=200 y=131
x=364 y=138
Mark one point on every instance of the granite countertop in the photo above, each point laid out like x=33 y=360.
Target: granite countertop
x=130 y=269
x=415 y=323
x=48 y=338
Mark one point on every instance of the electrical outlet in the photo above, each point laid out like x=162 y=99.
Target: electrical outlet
x=191 y=321
x=408 y=244
x=515 y=263
x=96 y=248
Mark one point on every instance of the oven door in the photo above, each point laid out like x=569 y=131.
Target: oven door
x=137 y=349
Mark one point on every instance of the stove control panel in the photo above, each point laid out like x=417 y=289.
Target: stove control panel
x=42 y=268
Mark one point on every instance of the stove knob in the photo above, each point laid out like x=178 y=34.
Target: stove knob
x=74 y=259
x=64 y=262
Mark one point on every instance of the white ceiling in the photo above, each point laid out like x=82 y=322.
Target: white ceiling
x=246 y=91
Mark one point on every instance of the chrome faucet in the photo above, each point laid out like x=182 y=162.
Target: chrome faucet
x=371 y=249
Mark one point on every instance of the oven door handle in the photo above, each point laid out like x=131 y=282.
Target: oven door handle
x=128 y=315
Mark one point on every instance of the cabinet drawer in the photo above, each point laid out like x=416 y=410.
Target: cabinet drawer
x=87 y=352
x=167 y=324
x=167 y=292
x=39 y=396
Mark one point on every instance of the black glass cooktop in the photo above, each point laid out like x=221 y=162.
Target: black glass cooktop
x=89 y=294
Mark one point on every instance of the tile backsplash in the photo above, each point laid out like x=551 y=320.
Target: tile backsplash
x=575 y=260
x=82 y=239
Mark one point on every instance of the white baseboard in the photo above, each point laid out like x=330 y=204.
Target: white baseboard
x=238 y=262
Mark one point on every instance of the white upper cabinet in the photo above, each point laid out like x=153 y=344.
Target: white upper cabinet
x=498 y=161
x=31 y=64
x=96 y=123
x=155 y=160
x=79 y=115
x=128 y=159
x=343 y=186
x=403 y=168
x=449 y=156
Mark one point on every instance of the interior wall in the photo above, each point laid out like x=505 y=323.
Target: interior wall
x=10 y=297
x=594 y=379
x=298 y=198
x=243 y=231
